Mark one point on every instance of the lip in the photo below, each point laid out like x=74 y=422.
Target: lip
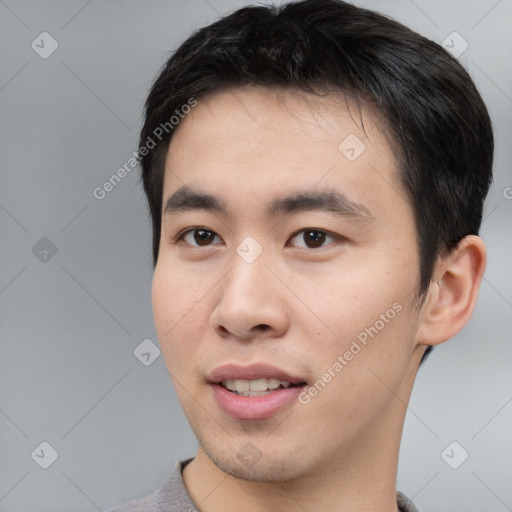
x=253 y=371
x=242 y=407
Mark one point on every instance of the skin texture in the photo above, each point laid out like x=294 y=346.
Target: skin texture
x=296 y=307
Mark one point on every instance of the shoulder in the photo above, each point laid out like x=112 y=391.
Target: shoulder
x=171 y=492
x=141 y=504
x=404 y=503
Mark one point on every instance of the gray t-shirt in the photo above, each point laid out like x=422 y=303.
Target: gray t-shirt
x=172 y=496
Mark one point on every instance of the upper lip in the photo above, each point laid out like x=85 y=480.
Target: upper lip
x=253 y=371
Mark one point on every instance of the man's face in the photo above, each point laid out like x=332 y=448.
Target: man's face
x=321 y=293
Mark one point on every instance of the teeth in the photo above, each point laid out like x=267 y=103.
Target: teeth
x=254 y=387
x=260 y=384
x=240 y=385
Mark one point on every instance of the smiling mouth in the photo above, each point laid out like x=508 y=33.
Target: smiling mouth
x=257 y=387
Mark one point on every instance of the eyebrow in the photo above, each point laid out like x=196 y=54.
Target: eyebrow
x=188 y=199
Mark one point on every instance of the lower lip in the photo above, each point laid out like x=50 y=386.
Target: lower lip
x=254 y=407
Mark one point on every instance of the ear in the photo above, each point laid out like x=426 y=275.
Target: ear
x=453 y=290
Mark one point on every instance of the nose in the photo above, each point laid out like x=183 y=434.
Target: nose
x=252 y=302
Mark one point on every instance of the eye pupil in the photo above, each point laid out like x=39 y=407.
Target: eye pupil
x=202 y=236
x=316 y=237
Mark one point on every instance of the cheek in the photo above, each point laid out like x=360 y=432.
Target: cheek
x=178 y=311
x=363 y=301
x=365 y=362
x=175 y=293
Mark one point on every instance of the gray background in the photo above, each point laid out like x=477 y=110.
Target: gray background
x=70 y=322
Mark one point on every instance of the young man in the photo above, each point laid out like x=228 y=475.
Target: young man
x=316 y=176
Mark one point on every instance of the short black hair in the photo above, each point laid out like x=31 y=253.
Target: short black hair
x=436 y=121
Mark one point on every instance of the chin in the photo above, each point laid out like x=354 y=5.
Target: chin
x=267 y=468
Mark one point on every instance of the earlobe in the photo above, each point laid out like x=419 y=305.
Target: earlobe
x=453 y=291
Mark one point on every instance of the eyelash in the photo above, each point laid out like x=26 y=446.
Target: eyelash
x=183 y=234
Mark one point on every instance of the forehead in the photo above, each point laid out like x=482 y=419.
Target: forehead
x=254 y=141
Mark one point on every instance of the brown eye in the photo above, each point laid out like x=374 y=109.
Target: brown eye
x=312 y=238
x=203 y=237
x=198 y=237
